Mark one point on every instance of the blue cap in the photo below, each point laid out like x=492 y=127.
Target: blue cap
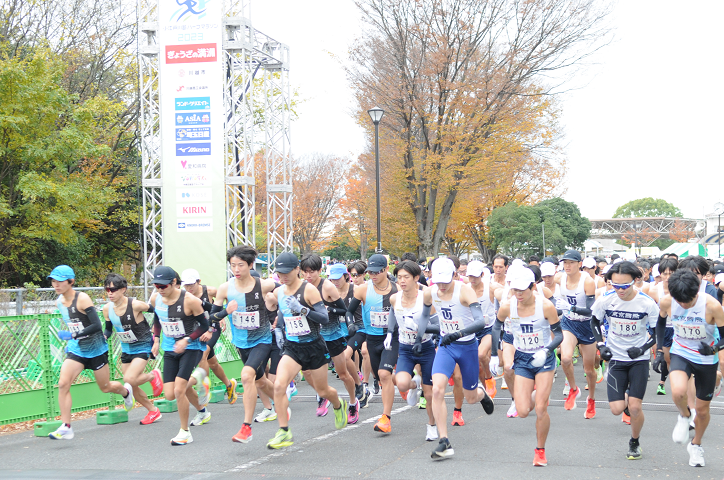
x=62 y=273
x=376 y=263
x=337 y=271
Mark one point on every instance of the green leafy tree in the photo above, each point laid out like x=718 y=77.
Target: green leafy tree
x=568 y=228
x=647 y=207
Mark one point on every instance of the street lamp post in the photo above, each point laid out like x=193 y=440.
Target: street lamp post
x=719 y=211
x=376 y=115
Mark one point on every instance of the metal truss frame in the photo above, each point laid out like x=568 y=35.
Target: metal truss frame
x=616 y=228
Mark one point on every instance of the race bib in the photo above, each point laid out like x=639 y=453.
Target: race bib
x=379 y=318
x=529 y=342
x=75 y=327
x=625 y=328
x=297 y=326
x=245 y=320
x=690 y=331
x=408 y=336
x=669 y=324
x=173 y=329
x=450 y=326
x=126 y=336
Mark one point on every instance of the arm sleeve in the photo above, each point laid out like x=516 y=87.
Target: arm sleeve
x=596 y=327
x=478 y=320
x=151 y=308
x=720 y=344
x=109 y=329
x=495 y=345
x=353 y=305
x=649 y=343
x=590 y=300
x=207 y=306
x=156 y=326
x=660 y=332
x=95 y=324
x=203 y=327
x=280 y=319
x=557 y=336
x=217 y=313
x=318 y=313
x=338 y=308
x=431 y=327
x=422 y=327
x=391 y=321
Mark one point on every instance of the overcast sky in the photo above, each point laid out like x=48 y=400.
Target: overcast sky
x=644 y=124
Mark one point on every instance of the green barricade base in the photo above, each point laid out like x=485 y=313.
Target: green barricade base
x=165 y=406
x=217 y=394
x=111 y=417
x=42 y=429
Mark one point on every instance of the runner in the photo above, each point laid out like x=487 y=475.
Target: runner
x=502 y=294
x=460 y=316
x=357 y=273
x=124 y=316
x=532 y=319
x=627 y=346
x=86 y=348
x=500 y=268
x=416 y=347
x=191 y=282
x=185 y=326
x=696 y=316
x=300 y=312
x=580 y=293
x=667 y=267
x=334 y=332
x=482 y=284
x=375 y=300
x=589 y=266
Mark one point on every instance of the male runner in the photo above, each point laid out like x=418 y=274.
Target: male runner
x=124 y=316
x=357 y=343
x=484 y=287
x=87 y=348
x=500 y=268
x=667 y=266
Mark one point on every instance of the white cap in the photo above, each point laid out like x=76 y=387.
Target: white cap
x=618 y=260
x=476 y=268
x=547 y=269
x=523 y=278
x=630 y=257
x=443 y=270
x=517 y=263
x=589 y=262
x=513 y=271
x=719 y=278
x=189 y=276
x=606 y=269
x=655 y=271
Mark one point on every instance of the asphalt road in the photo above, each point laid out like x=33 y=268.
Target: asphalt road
x=491 y=446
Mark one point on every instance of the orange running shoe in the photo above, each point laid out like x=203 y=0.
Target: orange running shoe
x=540 y=457
x=573 y=395
x=383 y=424
x=490 y=387
x=626 y=418
x=404 y=395
x=244 y=435
x=457 y=419
x=590 y=408
x=451 y=382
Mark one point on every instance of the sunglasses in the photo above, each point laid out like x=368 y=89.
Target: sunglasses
x=354 y=275
x=112 y=289
x=621 y=286
x=160 y=287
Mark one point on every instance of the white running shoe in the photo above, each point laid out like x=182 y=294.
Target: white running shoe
x=413 y=395
x=503 y=385
x=266 y=415
x=431 y=433
x=512 y=411
x=291 y=390
x=128 y=401
x=681 y=430
x=201 y=418
x=566 y=388
x=692 y=425
x=182 y=438
x=63 y=433
x=717 y=390
x=696 y=455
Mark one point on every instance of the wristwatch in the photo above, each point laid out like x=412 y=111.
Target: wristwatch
x=188 y=339
x=304 y=311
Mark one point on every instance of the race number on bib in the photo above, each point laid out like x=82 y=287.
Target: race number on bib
x=297 y=326
x=75 y=327
x=126 y=336
x=529 y=342
x=378 y=318
x=625 y=328
x=173 y=329
x=689 y=331
x=245 y=320
x=408 y=336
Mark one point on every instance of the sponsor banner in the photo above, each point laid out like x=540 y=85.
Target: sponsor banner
x=191 y=53
x=193 y=103
x=189 y=225
x=192 y=149
x=193 y=134
x=194 y=210
x=193 y=195
x=193 y=180
x=190 y=119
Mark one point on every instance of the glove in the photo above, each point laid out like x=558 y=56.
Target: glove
x=658 y=361
x=351 y=329
x=279 y=337
x=494 y=365
x=64 y=335
x=606 y=353
x=293 y=304
x=539 y=358
x=705 y=349
x=634 y=352
x=417 y=348
x=449 y=338
x=388 y=342
x=562 y=305
x=574 y=309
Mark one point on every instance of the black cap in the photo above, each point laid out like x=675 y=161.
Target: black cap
x=286 y=262
x=377 y=262
x=572 y=255
x=164 y=275
x=719 y=268
x=254 y=273
x=553 y=260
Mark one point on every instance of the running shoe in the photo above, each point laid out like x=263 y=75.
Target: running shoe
x=444 y=449
x=184 y=437
x=383 y=424
x=376 y=387
x=359 y=391
x=62 y=433
x=244 y=435
x=451 y=381
x=370 y=393
x=291 y=390
x=586 y=387
x=504 y=385
x=201 y=418
x=413 y=395
x=717 y=389
x=423 y=403
x=404 y=395
x=566 y=388
x=487 y=402
x=330 y=365
x=353 y=413
x=151 y=417
x=634 y=450
x=590 y=408
x=128 y=400
x=431 y=433
x=539 y=460
x=340 y=415
x=156 y=382
x=692 y=422
x=512 y=411
x=457 y=419
x=599 y=374
x=231 y=394
x=626 y=418
x=660 y=389
x=576 y=354
x=323 y=407
x=266 y=415
x=199 y=374
x=570 y=403
x=365 y=400
x=281 y=439
x=696 y=455
x=490 y=387
x=681 y=430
